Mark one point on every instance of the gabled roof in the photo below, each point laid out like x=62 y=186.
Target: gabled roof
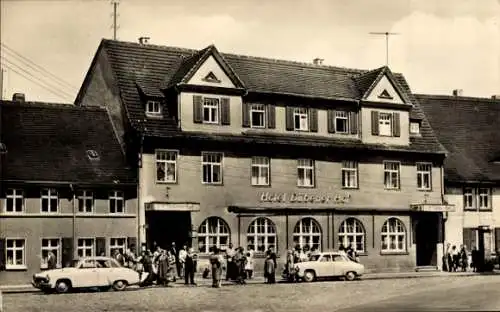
x=367 y=81
x=163 y=66
x=49 y=142
x=469 y=129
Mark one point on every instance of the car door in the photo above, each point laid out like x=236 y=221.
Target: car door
x=324 y=263
x=338 y=265
x=86 y=275
x=104 y=273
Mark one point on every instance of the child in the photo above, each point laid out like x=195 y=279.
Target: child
x=249 y=265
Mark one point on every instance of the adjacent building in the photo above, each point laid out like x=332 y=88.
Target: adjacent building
x=263 y=153
x=469 y=129
x=66 y=187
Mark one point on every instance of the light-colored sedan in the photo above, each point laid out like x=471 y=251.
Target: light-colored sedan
x=329 y=264
x=88 y=272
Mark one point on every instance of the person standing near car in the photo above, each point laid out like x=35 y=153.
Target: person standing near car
x=51 y=261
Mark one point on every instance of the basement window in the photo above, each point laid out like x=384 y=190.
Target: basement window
x=92 y=154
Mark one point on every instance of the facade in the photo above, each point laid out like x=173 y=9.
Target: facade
x=267 y=153
x=66 y=187
x=468 y=127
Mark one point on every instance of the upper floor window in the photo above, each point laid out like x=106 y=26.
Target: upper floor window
x=305 y=172
x=85 y=201
x=116 y=202
x=14 y=200
x=260 y=171
x=50 y=200
x=212 y=168
x=477 y=198
x=211 y=110
x=349 y=174
x=424 y=176
x=166 y=166
x=414 y=127
x=341 y=122
x=300 y=119
x=153 y=108
x=257 y=115
x=391 y=175
x=386 y=124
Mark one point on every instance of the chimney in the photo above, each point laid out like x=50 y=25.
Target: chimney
x=458 y=92
x=144 y=40
x=495 y=97
x=18 y=97
x=318 y=61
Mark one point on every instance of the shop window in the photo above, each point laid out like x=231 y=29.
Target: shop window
x=352 y=233
x=261 y=235
x=213 y=232
x=393 y=236
x=307 y=232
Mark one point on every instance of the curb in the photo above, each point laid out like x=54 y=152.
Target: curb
x=260 y=280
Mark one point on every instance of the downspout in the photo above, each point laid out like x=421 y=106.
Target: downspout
x=73 y=201
x=141 y=222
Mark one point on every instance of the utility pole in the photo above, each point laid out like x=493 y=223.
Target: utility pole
x=386 y=34
x=115 y=15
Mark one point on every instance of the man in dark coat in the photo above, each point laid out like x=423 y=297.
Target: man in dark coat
x=190 y=267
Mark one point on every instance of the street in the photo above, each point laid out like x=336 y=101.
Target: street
x=419 y=294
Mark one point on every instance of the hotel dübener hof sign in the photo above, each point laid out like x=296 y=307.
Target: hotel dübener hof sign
x=303 y=198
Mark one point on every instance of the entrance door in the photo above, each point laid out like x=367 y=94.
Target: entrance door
x=165 y=227
x=426 y=238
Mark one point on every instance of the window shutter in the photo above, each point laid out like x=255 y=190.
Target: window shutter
x=2 y=254
x=353 y=122
x=396 y=125
x=313 y=120
x=271 y=116
x=331 y=121
x=245 y=114
x=67 y=251
x=100 y=246
x=289 y=118
x=497 y=239
x=225 y=111
x=197 y=108
x=375 y=123
x=132 y=244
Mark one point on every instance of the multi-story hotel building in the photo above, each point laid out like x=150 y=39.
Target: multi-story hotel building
x=266 y=153
x=469 y=129
x=66 y=187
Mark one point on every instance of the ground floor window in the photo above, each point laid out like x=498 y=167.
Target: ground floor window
x=50 y=245
x=307 y=232
x=85 y=247
x=261 y=235
x=213 y=232
x=352 y=233
x=15 y=253
x=117 y=243
x=393 y=236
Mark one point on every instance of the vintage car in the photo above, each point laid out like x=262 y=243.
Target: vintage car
x=87 y=272
x=328 y=264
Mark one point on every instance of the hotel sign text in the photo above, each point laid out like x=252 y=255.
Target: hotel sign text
x=269 y=197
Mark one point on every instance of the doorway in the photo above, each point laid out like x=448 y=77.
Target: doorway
x=165 y=227
x=426 y=238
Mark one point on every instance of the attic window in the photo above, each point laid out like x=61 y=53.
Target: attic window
x=211 y=78
x=385 y=95
x=92 y=154
x=3 y=148
x=153 y=108
x=414 y=127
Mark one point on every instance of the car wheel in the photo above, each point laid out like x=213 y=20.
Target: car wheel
x=63 y=286
x=309 y=276
x=119 y=285
x=350 y=276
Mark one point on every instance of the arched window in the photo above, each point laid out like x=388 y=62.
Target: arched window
x=213 y=232
x=307 y=232
x=393 y=235
x=261 y=235
x=352 y=233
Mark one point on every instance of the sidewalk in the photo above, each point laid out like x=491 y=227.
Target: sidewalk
x=259 y=279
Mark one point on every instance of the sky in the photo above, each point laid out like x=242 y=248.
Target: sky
x=441 y=45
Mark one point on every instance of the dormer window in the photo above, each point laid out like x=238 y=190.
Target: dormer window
x=414 y=128
x=92 y=154
x=153 y=108
x=210 y=77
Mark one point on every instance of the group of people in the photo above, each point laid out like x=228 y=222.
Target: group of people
x=457 y=259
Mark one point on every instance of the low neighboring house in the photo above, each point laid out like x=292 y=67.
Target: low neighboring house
x=66 y=187
x=469 y=128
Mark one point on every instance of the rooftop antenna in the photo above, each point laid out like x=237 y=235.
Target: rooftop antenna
x=115 y=4
x=386 y=34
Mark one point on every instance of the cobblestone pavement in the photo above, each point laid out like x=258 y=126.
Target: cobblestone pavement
x=402 y=294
